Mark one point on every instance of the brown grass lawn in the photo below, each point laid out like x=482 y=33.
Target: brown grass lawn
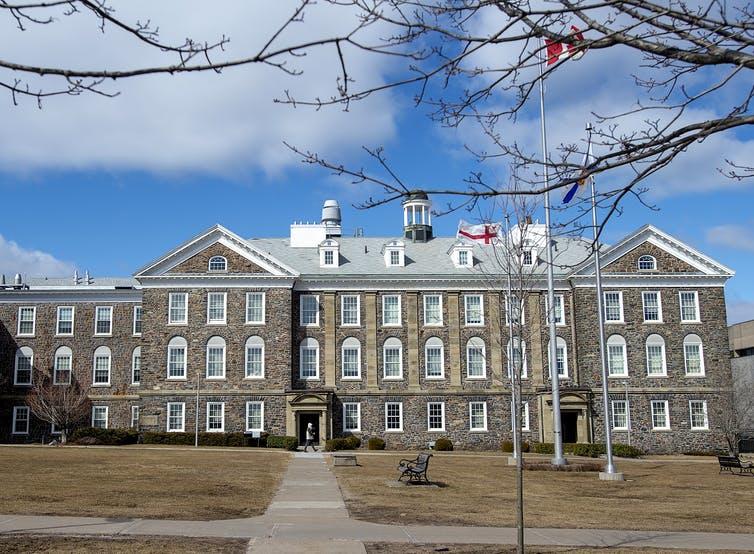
x=397 y=548
x=657 y=495
x=128 y=482
x=120 y=545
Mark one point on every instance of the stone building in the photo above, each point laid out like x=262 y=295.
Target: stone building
x=404 y=338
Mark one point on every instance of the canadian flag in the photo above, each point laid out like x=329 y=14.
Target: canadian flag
x=558 y=51
x=484 y=233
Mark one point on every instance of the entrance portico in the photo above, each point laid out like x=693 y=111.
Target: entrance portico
x=575 y=420
x=309 y=407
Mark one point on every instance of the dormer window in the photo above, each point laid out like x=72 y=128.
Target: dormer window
x=218 y=263
x=395 y=257
x=394 y=252
x=462 y=255
x=328 y=253
x=527 y=257
x=647 y=263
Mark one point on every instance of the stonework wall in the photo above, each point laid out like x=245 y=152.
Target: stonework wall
x=199 y=263
x=666 y=263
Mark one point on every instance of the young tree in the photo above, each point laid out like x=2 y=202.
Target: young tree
x=737 y=413
x=64 y=405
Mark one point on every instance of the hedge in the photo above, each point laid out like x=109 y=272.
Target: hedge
x=205 y=439
x=376 y=443
x=589 y=450
x=443 y=444
x=280 y=441
x=351 y=442
x=507 y=446
x=96 y=435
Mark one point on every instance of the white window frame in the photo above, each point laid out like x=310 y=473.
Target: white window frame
x=471 y=416
x=392 y=345
x=625 y=427
x=225 y=264
x=356 y=429
x=652 y=405
x=644 y=306
x=619 y=341
x=525 y=423
x=259 y=403
x=217 y=321
x=135 y=417
x=182 y=427
x=389 y=257
x=661 y=344
x=688 y=340
x=137 y=310
x=261 y=295
x=559 y=299
x=58 y=321
x=530 y=252
x=22 y=352
x=468 y=323
x=620 y=306
x=109 y=356
x=560 y=342
x=301 y=310
x=97 y=320
x=508 y=304
x=434 y=342
x=308 y=344
x=219 y=342
x=476 y=342
x=33 y=309
x=439 y=308
x=134 y=381
x=696 y=306
x=440 y=429
x=385 y=323
x=252 y=343
x=399 y=429
x=107 y=416
x=171 y=297
x=178 y=343
x=207 y=406
x=524 y=361
x=350 y=343
x=343 y=310
x=27 y=419
x=644 y=257
x=62 y=352
x=693 y=427
x=469 y=261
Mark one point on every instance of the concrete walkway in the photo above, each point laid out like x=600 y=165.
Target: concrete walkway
x=308 y=515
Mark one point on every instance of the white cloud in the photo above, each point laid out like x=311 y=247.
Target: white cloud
x=738 y=237
x=220 y=124
x=33 y=263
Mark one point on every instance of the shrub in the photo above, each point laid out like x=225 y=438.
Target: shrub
x=525 y=446
x=443 y=444
x=588 y=450
x=543 y=448
x=95 y=435
x=626 y=451
x=354 y=442
x=278 y=441
x=506 y=446
x=338 y=443
x=376 y=443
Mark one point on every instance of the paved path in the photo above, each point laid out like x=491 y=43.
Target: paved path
x=308 y=515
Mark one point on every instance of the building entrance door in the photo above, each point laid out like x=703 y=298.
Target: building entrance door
x=569 y=422
x=304 y=419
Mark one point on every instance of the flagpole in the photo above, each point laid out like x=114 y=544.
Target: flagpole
x=610 y=473
x=558 y=458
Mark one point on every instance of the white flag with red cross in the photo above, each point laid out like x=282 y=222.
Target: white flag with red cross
x=483 y=233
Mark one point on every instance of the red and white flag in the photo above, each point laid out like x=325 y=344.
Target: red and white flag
x=558 y=51
x=484 y=233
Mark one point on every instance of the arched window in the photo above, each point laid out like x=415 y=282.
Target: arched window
x=476 y=366
x=177 y=348
x=392 y=359
x=693 y=354
x=518 y=355
x=255 y=358
x=62 y=367
x=617 y=364
x=218 y=263
x=561 y=357
x=216 y=358
x=434 y=358
x=102 y=365
x=309 y=359
x=647 y=263
x=656 y=365
x=24 y=365
x=350 y=359
x=136 y=366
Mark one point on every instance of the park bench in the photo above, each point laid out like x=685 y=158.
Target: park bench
x=415 y=470
x=729 y=463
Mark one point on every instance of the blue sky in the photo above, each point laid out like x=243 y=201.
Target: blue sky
x=106 y=185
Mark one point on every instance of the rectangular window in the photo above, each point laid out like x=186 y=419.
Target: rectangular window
x=215 y=417
x=27 y=317
x=614 y=306
x=254 y=361
x=216 y=303
x=176 y=417
x=463 y=257
x=689 y=306
x=527 y=258
x=434 y=368
x=309 y=362
x=698 y=414
x=660 y=416
x=560 y=361
x=24 y=367
x=394 y=416
x=65 y=320
x=392 y=366
x=309 y=304
x=616 y=360
x=99 y=417
x=349 y=310
x=352 y=417
x=395 y=257
x=525 y=416
x=436 y=416
x=432 y=309
x=652 y=307
x=656 y=360
x=351 y=365
x=136 y=367
x=215 y=362
x=62 y=374
x=693 y=353
x=478 y=416
x=102 y=369
x=619 y=409
x=255 y=416
x=329 y=257
x=20 y=420
x=515 y=310
x=473 y=308
x=391 y=309
x=255 y=308
x=103 y=320
x=176 y=362
x=475 y=366
x=135 y=417
x=558 y=312
x=178 y=308
x=137 y=321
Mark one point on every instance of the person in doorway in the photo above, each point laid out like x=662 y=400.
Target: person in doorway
x=310 y=437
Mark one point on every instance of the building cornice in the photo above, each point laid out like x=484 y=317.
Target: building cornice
x=413 y=282
x=73 y=294
x=249 y=280
x=629 y=280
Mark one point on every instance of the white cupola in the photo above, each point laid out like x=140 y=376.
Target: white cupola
x=417 y=217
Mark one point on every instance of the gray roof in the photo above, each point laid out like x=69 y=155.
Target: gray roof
x=67 y=282
x=364 y=256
